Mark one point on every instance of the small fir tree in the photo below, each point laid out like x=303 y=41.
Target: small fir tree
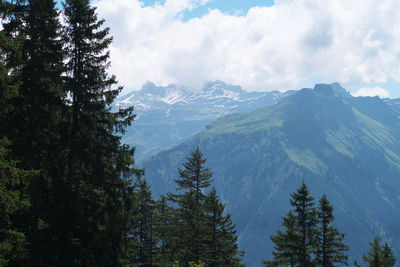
x=388 y=258
x=305 y=226
x=331 y=249
x=378 y=255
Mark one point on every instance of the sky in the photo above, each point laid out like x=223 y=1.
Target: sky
x=261 y=45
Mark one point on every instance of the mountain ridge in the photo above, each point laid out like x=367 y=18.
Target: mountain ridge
x=171 y=114
x=340 y=145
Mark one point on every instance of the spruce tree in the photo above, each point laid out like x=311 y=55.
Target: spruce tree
x=194 y=228
x=306 y=220
x=331 y=249
x=34 y=126
x=193 y=179
x=13 y=202
x=378 y=255
x=297 y=243
x=142 y=235
x=99 y=170
x=286 y=251
x=222 y=243
x=166 y=222
x=388 y=258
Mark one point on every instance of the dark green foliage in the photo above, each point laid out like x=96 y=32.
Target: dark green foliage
x=165 y=221
x=306 y=221
x=36 y=64
x=330 y=246
x=285 y=247
x=298 y=242
x=13 y=203
x=388 y=258
x=142 y=236
x=221 y=242
x=309 y=238
x=99 y=168
x=56 y=98
x=378 y=256
x=194 y=177
x=191 y=226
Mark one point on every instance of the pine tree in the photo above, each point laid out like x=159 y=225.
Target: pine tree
x=166 y=221
x=13 y=203
x=34 y=127
x=298 y=243
x=193 y=179
x=222 y=243
x=286 y=251
x=374 y=257
x=14 y=200
x=331 y=249
x=378 y=255
x=388 y=258
x=99 y=170
x=305 y=214
x=143 y=249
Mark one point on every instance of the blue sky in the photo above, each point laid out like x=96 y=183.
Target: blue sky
x=226 y=6
x=257 y=44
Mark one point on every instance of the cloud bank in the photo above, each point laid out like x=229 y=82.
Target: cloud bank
x=374 y=91
x=356 y=43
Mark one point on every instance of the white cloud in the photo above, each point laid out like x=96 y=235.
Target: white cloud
x=354 y=42
x=372 y=91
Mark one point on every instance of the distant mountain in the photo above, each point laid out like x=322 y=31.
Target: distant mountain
x=168 y=115
x=340 y=145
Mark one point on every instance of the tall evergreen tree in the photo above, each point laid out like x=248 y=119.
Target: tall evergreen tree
x=331 y=249
x=306 y=220
x=193 y=179
x=99 y=170
x=166 y=221
x=298 y=243
x=14 y=200
x=222 y=243
x=34 y=126
x=142 y=235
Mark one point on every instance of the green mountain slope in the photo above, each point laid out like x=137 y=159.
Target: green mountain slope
x=339 y=145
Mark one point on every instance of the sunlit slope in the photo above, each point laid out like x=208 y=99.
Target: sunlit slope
x=339 y=145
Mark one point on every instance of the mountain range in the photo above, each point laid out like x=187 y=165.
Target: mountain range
x=171 y=114
x=346 y=147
